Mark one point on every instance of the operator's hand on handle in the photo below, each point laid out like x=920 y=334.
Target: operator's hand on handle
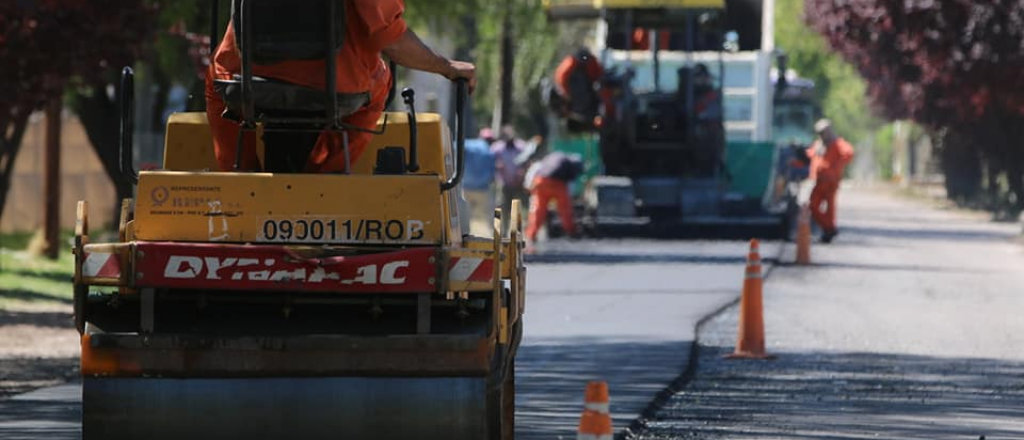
x=409 y=51
x=462 y=69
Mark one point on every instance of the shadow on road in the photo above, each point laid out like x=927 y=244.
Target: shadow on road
x=845 y=396
x=598 y=258
x=61 y=320
x=894 y=268
x=28 y=295
x=551 y=377
x=19 y=375
x=50 y=416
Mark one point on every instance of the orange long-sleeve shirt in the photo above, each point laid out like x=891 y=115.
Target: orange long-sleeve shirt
x=570 y=64
x=831 y=165
x=371 y=26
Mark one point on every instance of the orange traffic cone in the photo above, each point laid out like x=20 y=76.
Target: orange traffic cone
x=596 y=422
x=803 y=237
x=750 y=337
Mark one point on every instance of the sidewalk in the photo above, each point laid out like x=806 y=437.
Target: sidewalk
x=908 y=326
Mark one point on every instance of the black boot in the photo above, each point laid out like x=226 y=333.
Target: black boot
x=828 y=236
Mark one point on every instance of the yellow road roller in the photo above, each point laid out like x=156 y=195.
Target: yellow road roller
x=251 y=305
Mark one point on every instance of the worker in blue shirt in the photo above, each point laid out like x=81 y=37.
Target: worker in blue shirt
x=477 y=185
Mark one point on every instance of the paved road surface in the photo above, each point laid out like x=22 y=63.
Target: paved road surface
x=907 y=327
x=621 y=311
x=616 y=310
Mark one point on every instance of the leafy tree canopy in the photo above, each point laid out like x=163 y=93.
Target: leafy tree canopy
x=842 y=91
x=940 y=62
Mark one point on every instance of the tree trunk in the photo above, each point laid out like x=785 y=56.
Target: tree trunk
x=992 y=172
x=961 y=165
x=51 y=178
x=9 y=146
x=507 y=57
x=100 y=117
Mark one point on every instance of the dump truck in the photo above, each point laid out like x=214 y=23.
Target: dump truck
x=249 y=304
x=680 y=152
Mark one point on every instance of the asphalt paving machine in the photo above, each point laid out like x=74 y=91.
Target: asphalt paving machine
x=686 y=139
x=251 y=304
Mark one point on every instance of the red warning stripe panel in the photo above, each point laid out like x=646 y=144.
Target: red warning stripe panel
x=470 y=269
x=101 y=265
x=274 y=267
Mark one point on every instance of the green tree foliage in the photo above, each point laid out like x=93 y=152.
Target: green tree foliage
x=538 y=46
x=946 y=64
x=842 y=91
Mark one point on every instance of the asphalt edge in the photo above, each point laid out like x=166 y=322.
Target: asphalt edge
x=633 y=430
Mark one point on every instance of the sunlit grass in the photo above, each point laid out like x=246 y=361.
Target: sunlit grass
x=27 y=279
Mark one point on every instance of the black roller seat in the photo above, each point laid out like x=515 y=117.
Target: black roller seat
x=283 y=31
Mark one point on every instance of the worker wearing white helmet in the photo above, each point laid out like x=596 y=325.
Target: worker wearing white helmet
x=829 y=157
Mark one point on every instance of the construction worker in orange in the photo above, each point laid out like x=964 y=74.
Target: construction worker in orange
x=829 y=156
x=549 y=180
x=576 y=88
x=371 y=28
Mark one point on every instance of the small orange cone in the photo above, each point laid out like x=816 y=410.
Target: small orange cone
x=750 y=337
x=596 y=422
x=803 y=237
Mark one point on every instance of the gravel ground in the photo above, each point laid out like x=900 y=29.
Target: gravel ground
x=38 y=347
x=906 y=327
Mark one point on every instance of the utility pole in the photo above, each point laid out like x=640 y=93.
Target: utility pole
x=51 y=178
x=507 y=57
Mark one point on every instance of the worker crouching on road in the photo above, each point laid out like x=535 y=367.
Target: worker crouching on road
x=549 y=179
x=829 y=157
x=372 y=27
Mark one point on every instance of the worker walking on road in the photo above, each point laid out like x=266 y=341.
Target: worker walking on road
x=549 y=179
x=829 y=157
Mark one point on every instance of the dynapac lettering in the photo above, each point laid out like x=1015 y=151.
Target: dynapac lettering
x=190 y=267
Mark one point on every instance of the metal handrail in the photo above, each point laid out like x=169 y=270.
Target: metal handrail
x=461 y=92
x=409 y=96
x=127 y=153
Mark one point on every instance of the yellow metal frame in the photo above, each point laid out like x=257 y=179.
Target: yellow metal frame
x=188 y=145
x=237 y=207
x=187 y=203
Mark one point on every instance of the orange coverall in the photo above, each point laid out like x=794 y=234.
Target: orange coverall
x=594 y=72
x=543 y=190
x=827 y=170
x=568 y=66
x=371 y=25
